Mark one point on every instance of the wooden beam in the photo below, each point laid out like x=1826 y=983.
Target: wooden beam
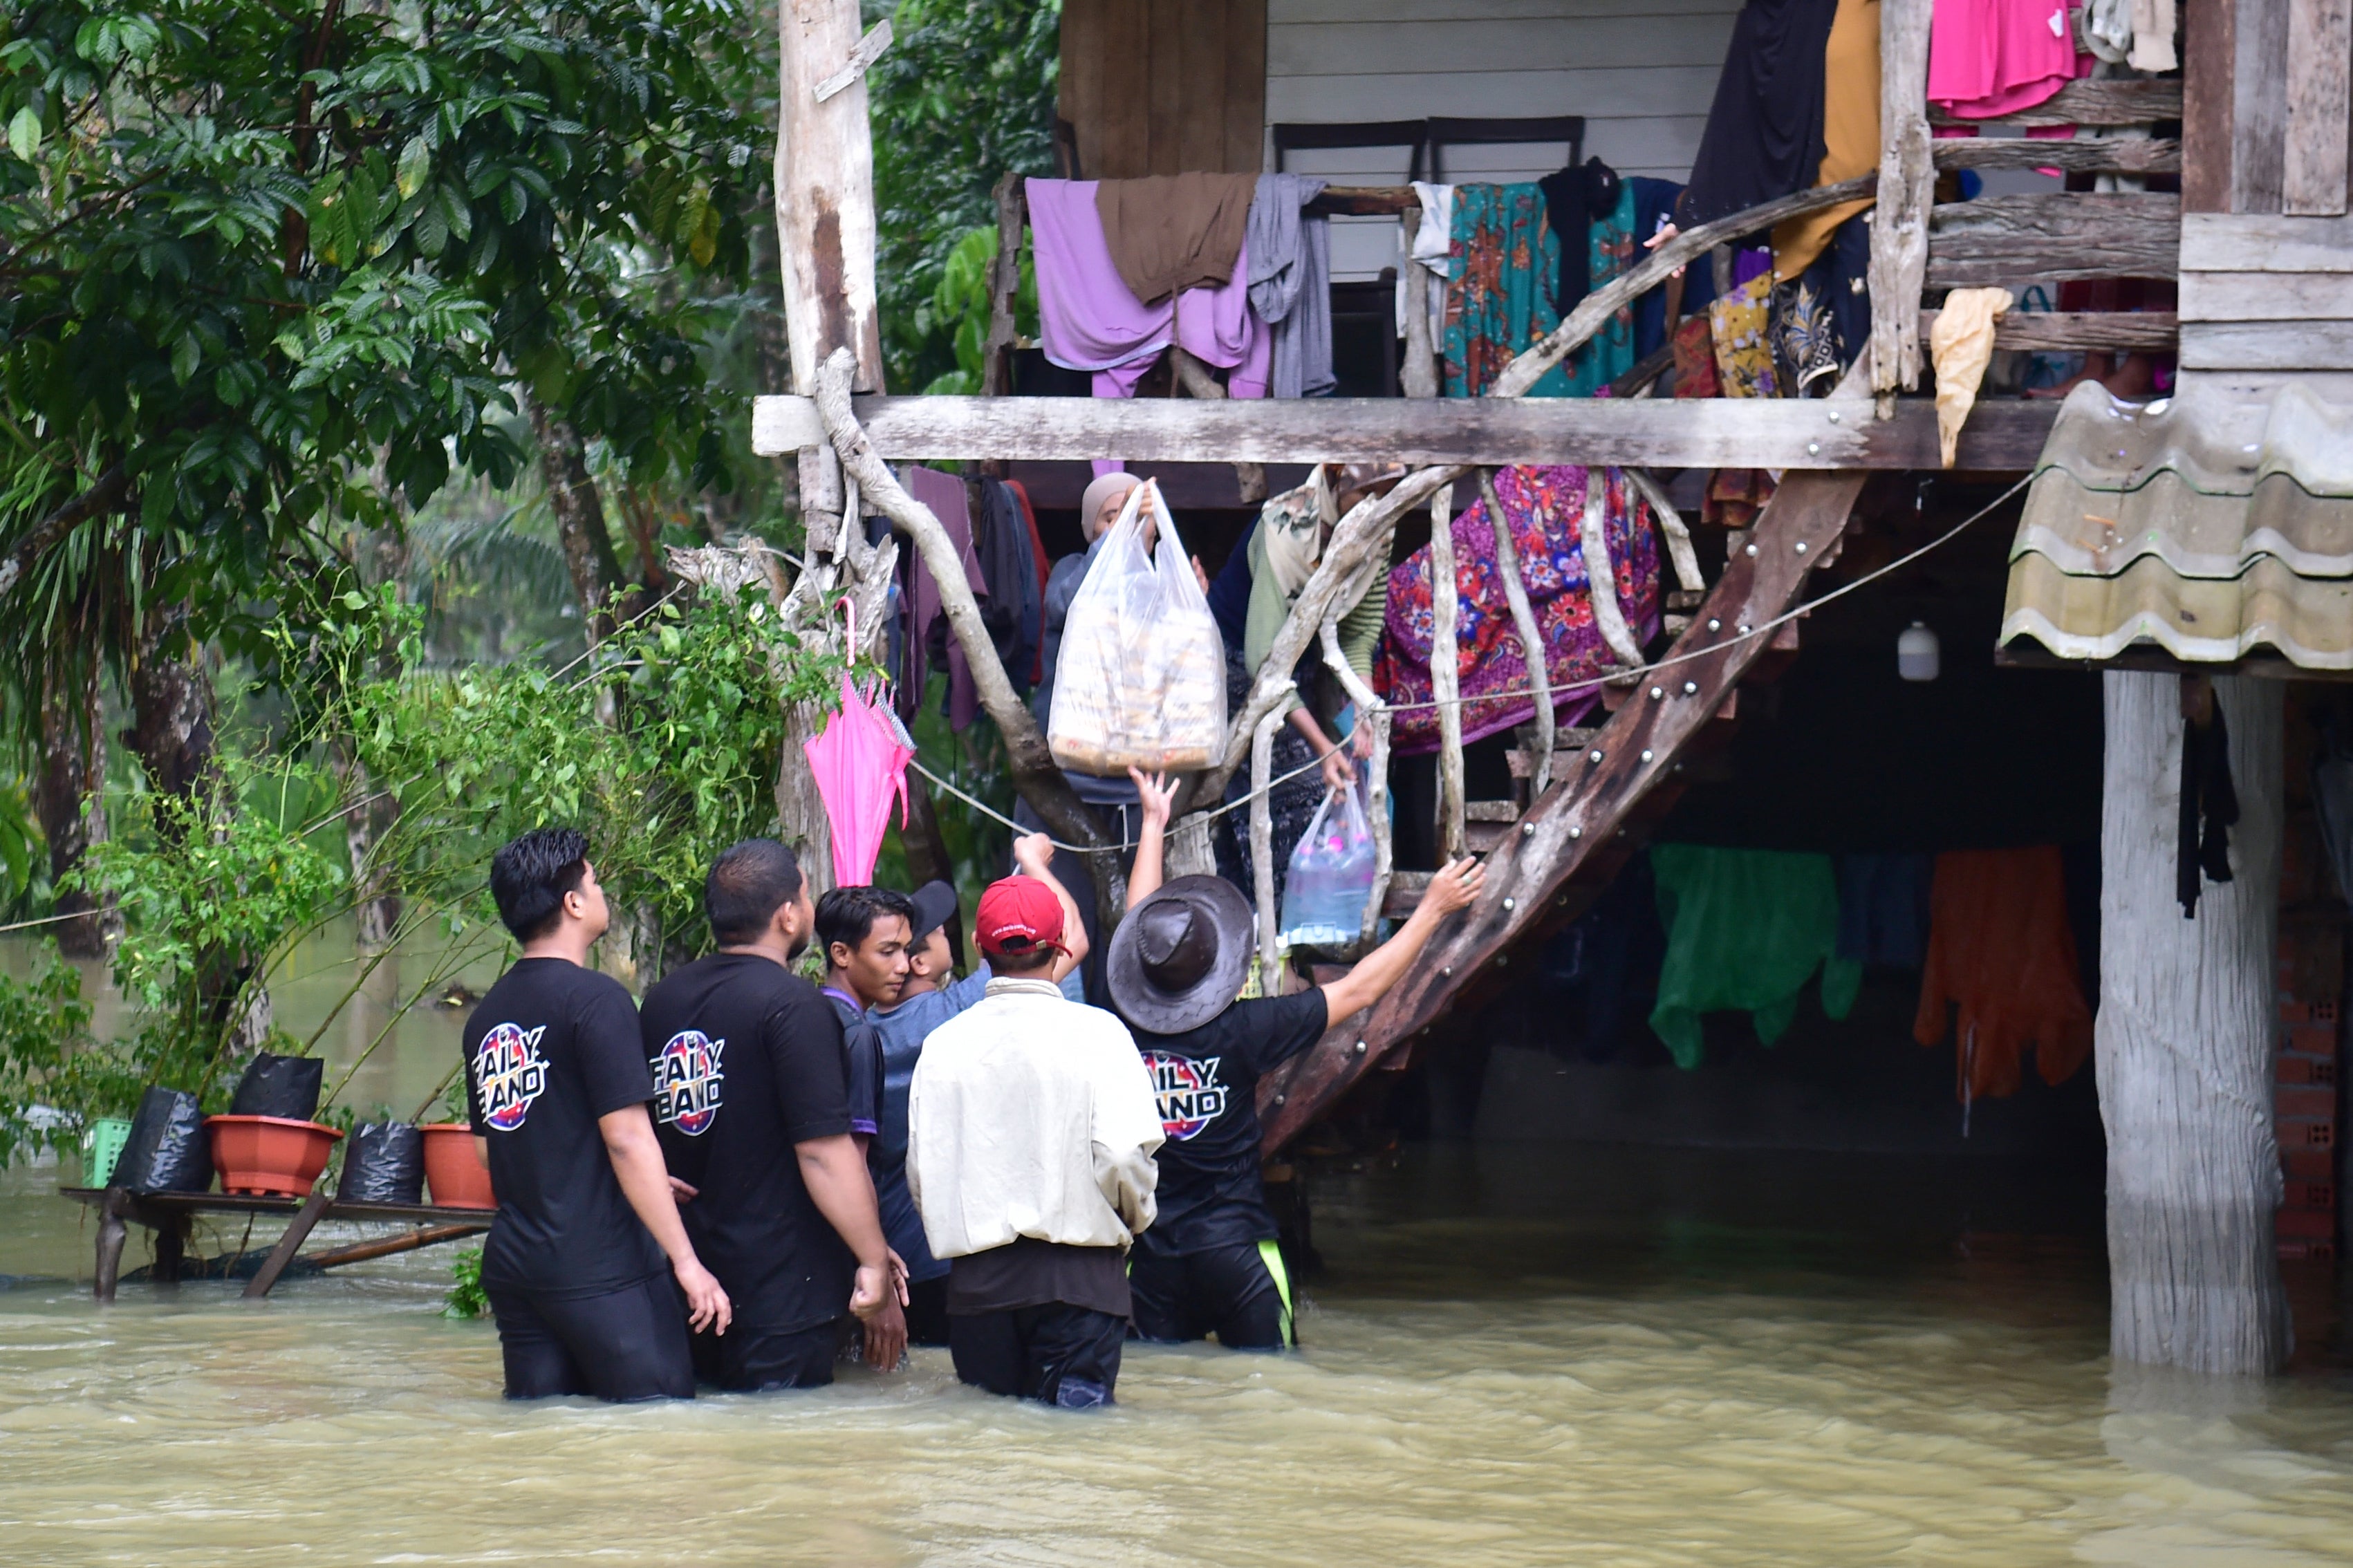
x=2258 y=98
x=2266 y=296
x=825 y=194
x=1998 y=240
x=1446 y=675
x=298 y=1231
x=2265 y=242
x=870 y=49
x=1363 y=201
x=2267 y=345
x=1899 y=232
x=2209 y=50
x=1779 y=433
x=1573 y=824
x=2155 y=155
x=2090 y=102
x=2065 y=331
x=2319 y=106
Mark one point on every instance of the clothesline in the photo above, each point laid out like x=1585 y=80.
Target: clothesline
x=1124 y=843
x=1746 y=635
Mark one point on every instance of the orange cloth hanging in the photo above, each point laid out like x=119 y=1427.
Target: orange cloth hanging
x=2001 y=947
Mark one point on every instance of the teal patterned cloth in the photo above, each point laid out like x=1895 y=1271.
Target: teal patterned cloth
x=1500 y=299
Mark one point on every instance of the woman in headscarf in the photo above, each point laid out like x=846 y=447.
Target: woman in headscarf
x=1284 y=551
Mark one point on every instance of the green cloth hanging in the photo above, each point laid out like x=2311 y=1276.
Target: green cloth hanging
x=1746 y=929
x=1500 y=300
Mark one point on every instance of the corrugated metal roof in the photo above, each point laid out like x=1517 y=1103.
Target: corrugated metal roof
x=2211 y=525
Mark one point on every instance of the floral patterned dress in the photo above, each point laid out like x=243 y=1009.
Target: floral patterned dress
x=1500 y=299
x=1542 y=506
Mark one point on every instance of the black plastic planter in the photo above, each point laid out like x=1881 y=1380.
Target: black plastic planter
x=167 y=1151
x=382 y=1164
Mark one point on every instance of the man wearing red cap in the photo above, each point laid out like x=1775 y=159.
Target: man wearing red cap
x=1031 y=1131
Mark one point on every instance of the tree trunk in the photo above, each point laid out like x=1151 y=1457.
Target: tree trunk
x=172 y=719
x=375 y=902
x=69 y=796
x=587 y=543
x=2186 y=1033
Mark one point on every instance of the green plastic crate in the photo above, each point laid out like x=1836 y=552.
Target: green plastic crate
x=102 y=1146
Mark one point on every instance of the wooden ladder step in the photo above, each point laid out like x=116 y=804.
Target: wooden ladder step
x=1405 y=889
x=1490 y=811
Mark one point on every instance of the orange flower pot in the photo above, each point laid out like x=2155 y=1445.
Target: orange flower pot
x=270 y=1156
x=454 y=1173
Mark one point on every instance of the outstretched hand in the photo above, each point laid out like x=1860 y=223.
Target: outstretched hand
x=1454 y=887
x=1157 y=793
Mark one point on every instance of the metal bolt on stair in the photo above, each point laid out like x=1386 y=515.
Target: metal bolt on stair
x=1646 y=753
x=1751 y=549
x=1509 y=905
x=1360 y=1048
x=1714 y=624
x=1657 y=692
x=1594 y=755
x=1801 y=547
x=1527 y=830
x=1577 y=832
x=1690 y=687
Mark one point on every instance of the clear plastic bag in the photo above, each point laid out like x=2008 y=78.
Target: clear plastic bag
x=1141 y=680
x=1331 y=875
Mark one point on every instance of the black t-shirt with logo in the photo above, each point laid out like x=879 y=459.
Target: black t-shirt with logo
x=746 y=1061
x=552 y=1047
x=1207 y=1082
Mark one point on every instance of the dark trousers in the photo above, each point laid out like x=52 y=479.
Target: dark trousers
x=1241 y=1293
x=1056 y=1354
x=624 y=1346
x=927 y=1311
x=748 y=1359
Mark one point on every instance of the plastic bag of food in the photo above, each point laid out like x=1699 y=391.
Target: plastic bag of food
x=1331 y=877
x=1141 y=680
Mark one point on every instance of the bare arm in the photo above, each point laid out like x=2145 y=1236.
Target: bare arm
x=1450 y=890
x=1034 y=854
x=637 y=1157
x=1338 y=771
x=835 y=1174
x=1158 y=798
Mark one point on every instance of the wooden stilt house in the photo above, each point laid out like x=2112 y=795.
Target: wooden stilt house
x=1374 y=93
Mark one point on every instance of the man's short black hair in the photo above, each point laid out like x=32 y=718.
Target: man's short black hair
x=1031 y=961
x=531 y=874
x=847 y=915
x=748 y=884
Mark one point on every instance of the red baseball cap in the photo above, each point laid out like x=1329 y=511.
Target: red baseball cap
x=1017 y=914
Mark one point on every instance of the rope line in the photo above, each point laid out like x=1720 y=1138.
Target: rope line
x=1631 y=672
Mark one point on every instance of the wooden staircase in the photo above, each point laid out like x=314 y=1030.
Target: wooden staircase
x=1611 y=784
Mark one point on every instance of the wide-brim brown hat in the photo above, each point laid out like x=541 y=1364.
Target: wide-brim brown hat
x=1180 y=956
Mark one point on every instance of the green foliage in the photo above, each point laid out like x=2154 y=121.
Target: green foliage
x=467 y=1298
x=47 y=1059
x=965 y=94
x=960 y=306
x=212 y=896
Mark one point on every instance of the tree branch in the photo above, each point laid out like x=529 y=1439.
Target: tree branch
x=102 y=497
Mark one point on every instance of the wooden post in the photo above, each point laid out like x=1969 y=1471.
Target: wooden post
x=111 y=1233
x=1445 y=683
x=825 y=194
x=1370 y=710
x=1261 y=832
x=2185 y=1040
x=1004 y=287
x=1671 y=523
x=1419 y=374
x=1899 y=229
x=1600 y=575
x=1523 y=621
x=298 y=1231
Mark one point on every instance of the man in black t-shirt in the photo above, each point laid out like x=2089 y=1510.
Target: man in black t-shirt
x=751 y=1097
x=579 y=1263
x=1209 y=1264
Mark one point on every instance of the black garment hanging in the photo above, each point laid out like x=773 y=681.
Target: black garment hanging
x=1763 y=135
x=1573 y=199
x=2210 y=802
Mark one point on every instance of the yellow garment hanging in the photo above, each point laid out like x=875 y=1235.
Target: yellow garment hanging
x=1849 y=133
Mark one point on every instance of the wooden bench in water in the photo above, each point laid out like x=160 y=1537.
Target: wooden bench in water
x=168 y=1214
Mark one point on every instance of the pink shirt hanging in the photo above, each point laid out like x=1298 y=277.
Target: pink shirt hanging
x=1991 y=58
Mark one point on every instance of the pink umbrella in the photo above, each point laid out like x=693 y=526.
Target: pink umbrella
x=859 y=764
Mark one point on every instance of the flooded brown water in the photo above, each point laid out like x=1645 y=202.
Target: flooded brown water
x=1515 y=1355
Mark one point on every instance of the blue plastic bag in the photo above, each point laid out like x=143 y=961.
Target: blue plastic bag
x=1331 y=877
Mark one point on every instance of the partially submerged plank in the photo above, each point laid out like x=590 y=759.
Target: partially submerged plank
x=1720 y=432
x=306 y=1219
x=1575 y=823
x=2006 y=241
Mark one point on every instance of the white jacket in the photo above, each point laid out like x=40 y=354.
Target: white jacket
x=1030 y=1115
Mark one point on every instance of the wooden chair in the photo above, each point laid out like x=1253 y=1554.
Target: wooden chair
x=1413 y=134
x=1442 y=133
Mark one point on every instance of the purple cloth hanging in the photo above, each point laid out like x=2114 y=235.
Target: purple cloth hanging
x=1090 y=321
x=944 y=494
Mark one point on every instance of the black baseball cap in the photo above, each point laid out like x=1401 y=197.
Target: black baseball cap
x=935 y=905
